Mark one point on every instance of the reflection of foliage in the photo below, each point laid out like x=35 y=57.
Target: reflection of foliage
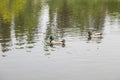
x=25 y=14
x=63 y=14
x=5 y=37
x=5 y=9
x=114 y=6
x=10 y=7
x=79 y=13
x=83 y=13
x=27 y=21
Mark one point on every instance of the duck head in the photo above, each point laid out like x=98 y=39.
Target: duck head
x=89 y=33
x=51 y=38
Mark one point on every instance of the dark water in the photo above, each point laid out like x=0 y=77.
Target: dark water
x=25 y=53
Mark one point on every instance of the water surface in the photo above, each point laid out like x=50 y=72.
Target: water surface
x=25 y=53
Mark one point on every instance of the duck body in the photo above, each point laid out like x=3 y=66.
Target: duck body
x=58 y=41
x=55 y=42
x=95 y=35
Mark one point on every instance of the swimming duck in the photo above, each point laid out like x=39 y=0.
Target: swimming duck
x=58 y=41
x=95 y=35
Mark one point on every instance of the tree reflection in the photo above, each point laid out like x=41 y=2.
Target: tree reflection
x=83 y=14
x=25 y=15
x=5 y=36
x=64 y=15
x=26 y=22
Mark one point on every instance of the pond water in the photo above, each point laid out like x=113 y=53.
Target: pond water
x=25 y=53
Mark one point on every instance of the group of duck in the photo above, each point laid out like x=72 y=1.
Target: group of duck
x=58 y=41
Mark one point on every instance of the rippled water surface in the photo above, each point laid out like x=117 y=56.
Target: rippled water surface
x=25 y=53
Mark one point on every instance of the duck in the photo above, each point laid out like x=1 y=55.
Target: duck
x=94 y=35
x=57 y=41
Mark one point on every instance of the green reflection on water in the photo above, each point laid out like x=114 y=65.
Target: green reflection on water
x=79 y=13
x=65 y=15
x=8 y=8
x=20 y=16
